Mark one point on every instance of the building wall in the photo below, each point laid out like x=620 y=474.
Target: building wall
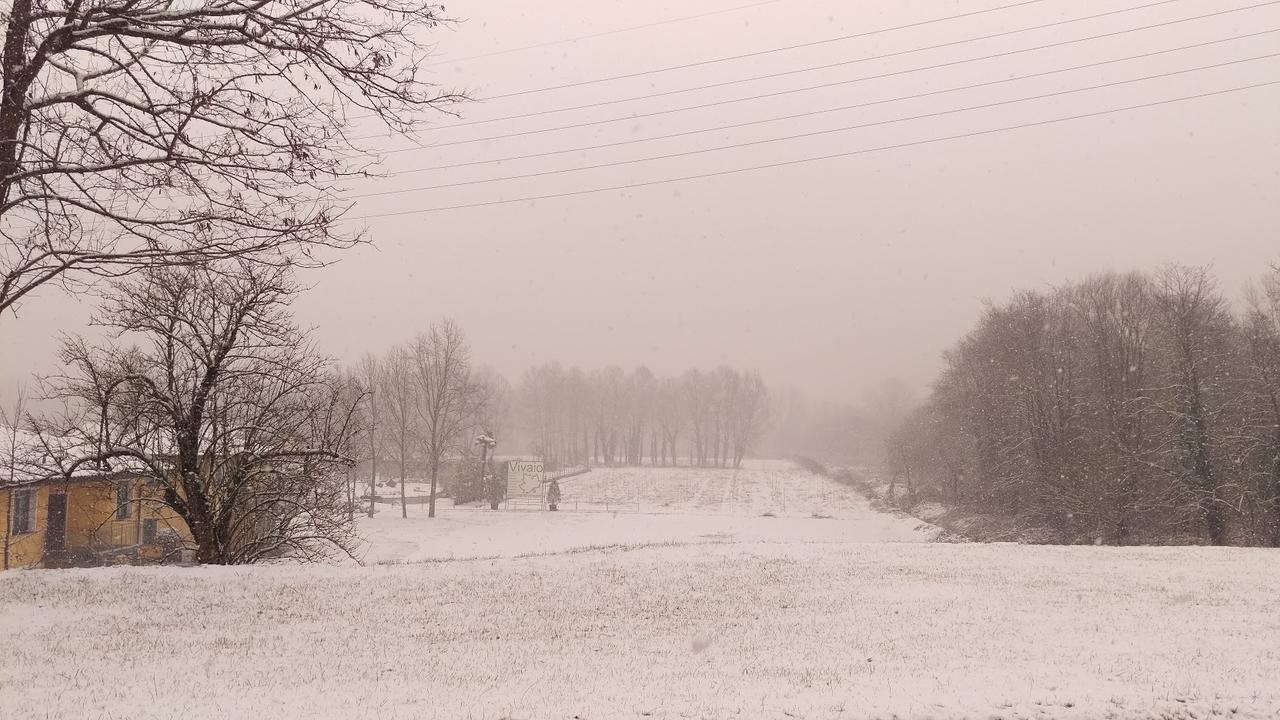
x=92 y=524
x=27 y=549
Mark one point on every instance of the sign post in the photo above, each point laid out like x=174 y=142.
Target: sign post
x=525 y=479
x=487 y=483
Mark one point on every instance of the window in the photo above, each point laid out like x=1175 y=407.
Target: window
x=124 y=496
x=148 y=532
x=24 y=510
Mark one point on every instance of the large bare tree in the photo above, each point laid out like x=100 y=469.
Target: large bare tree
x=144 y=132
x=223 y=405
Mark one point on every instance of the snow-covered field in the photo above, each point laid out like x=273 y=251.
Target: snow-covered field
x=764 y=502
x=720 y=613
x=761 y=486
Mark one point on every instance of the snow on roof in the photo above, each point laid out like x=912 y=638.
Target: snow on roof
x=27 y=458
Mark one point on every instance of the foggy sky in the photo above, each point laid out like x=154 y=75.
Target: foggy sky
x=829 y=275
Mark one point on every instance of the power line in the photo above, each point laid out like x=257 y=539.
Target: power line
x=822 y=86
x=828 y=66
x=735 y=146
x=670 y=21
x=842 y=108
x=759 y=53
x=833 y=156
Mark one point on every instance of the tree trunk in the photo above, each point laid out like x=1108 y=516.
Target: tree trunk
x=404 y=508
x=431 y=501
x=373 y=471
x=351 y=494
x=14 y=94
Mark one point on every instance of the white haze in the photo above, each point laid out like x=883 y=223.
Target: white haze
x=829 y=275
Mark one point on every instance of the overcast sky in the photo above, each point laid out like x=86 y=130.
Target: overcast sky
x=830 y=275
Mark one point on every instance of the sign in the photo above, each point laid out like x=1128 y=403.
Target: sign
x=524 y=478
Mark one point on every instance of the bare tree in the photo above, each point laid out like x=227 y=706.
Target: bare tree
x=1260 y=420
x=10 y=420
x=1194 y=326
x=670 y=417
x=447 y=398
x=638 y=412
x=748 y=408
x=491 y=409
x=698 y=403
x=1116 y=317
x=340 y=418
x=398 y=404
x=230 y=410
x=370 y=377
x=142 y=132
x=543 y=404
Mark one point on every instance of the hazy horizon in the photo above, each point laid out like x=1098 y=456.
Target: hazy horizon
x=829 y=276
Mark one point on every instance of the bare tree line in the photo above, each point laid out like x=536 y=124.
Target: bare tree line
x=1124 y=408
x=611 y=417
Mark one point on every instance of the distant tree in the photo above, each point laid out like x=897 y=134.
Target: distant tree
x=543 y=402
x=345 y=392
x=670 y=415
x=370 y=374
x=135 y=133
x=1116 y=315
x=446 y=395
x=748 y=409
x=490 y=412
x=1194 y=329
x=398 y=403
x=577 y=401
x=608 y=407
x=699 y=403
x=1260 y=420
x=639 y=394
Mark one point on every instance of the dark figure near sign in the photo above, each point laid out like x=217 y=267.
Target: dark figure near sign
x=553 y=495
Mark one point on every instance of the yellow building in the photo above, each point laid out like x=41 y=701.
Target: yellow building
x=90 y=520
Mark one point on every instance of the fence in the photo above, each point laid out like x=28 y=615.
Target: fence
x=538 y=504
x=586 y=505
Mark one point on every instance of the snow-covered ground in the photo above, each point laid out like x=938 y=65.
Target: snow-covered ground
x=711 y=614
x=760 y=486
x=764 y=502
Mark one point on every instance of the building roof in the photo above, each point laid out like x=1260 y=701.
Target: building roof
x=28 y=459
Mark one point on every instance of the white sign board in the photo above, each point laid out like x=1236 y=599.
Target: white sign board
x=524 y=478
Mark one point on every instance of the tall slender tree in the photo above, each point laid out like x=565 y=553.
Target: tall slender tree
x=446 y=396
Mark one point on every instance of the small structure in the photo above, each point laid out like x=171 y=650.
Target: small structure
x=90 y=519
